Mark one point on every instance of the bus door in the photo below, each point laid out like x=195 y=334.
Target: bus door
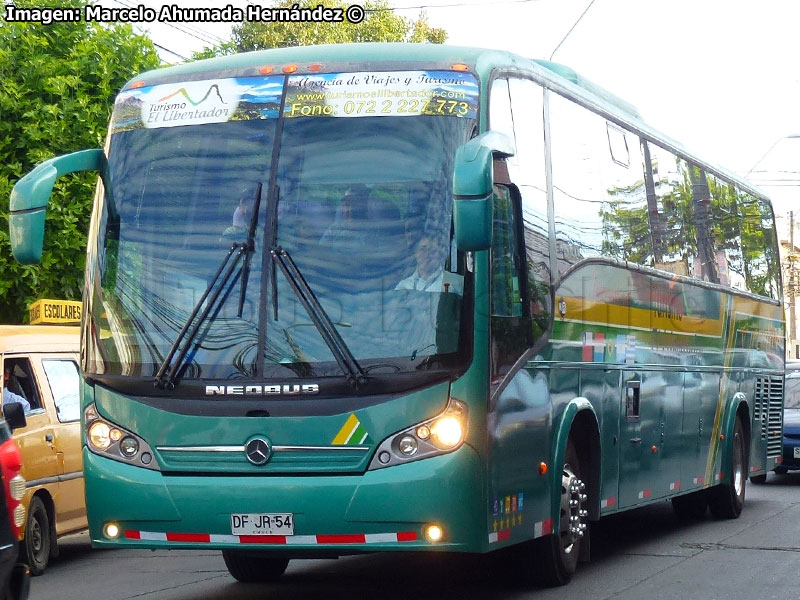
x=645 y=420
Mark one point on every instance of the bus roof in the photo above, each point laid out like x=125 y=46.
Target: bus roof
x=39 y=338
x=402 y=56
x=590 y=86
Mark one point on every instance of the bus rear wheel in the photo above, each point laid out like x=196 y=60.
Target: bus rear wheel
x=727 y=500
x=252 y=567
x=558 y=553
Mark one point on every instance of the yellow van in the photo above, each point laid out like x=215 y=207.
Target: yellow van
x=40 y=368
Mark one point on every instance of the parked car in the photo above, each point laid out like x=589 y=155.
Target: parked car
x=14 y=576
x=42 y=366
x=791 y=419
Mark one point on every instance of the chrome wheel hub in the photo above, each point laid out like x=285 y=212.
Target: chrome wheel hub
x=573 y=514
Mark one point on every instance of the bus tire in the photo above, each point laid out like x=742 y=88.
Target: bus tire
x=691 y=507
x=726 y=500
x=37 y=540
x=252 y=567
x=558 y=553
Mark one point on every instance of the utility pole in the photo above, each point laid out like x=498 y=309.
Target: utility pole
x=792 y=286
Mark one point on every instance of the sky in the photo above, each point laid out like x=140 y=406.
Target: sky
x=718 y=76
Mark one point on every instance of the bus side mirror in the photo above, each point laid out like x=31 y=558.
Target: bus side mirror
x=31 y=195
x=473 y=178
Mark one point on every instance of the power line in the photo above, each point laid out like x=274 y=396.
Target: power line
x=578 y=20
x=170 y=51
x=452 y=5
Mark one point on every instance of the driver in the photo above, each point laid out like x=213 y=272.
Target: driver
x=429 y=275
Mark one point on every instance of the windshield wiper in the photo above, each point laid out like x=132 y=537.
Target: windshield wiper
x=347 y=362
x=166 y=379
x=250 y=249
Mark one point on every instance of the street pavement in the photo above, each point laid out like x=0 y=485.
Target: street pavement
x=647 y=553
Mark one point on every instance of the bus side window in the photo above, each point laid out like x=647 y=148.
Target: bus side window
x=528 y=175
x=510 y=336
x=506 y=297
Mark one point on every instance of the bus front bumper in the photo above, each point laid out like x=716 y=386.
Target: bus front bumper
x=382 y=510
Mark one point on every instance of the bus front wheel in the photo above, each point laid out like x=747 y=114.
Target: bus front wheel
x=727 y=500
x=251 y=567
x=558 y=553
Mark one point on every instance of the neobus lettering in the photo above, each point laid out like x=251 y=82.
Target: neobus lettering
x=262 y=390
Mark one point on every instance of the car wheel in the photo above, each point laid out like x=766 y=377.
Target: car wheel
x=726 y=500
x=759 y=478
x=250 y=567
x=781 y=470
x=36 y=543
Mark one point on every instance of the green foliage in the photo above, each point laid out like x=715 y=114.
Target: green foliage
x=57 y=87
x=381 y=24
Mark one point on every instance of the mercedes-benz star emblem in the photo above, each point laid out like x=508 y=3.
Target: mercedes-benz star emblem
x=258 y=451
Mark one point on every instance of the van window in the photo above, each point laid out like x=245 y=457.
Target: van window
x=62 y=377
x=21 y=380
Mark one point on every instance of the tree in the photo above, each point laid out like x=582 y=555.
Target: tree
x=380 y=24
x=57 y=87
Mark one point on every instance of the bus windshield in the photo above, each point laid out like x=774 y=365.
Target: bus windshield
x=362 y=206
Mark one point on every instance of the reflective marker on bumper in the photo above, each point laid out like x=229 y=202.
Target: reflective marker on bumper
x=207 y=538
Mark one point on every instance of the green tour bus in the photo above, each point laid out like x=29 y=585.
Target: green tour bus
x=391 y=297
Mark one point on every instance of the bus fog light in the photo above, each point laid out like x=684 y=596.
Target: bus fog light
x=19 y=515
x=447 y=432
x=129 y=447
x=408 y=445
x=100 y=435
x=111 y=530
x=433 y=533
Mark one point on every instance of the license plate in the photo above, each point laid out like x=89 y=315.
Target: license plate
x=262 y=524
x=797 y=451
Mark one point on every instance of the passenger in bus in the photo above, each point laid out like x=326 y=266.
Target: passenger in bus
x=430 y=275
x=240 y=223
x=348 y=230
x=9 y=396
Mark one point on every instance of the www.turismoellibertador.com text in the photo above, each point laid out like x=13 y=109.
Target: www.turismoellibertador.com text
x=171 y=13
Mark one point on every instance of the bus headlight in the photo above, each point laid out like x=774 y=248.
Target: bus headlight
x=447 y=432
x=439 y=435
x=100 y=435
x=112 y=441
